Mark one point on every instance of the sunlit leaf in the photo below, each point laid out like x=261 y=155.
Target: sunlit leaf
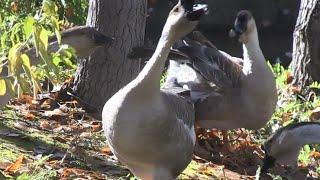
x=26 y=66
x=55 y=23
x=28 y=26
x=14 y=37
x=44 y=36
x=4 y=37
x=2 y=87
x=49 y=7
x=14 y=59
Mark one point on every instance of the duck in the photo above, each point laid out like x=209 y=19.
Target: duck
x=84 y=39
x=151 y=130
x=284 y=145
x=227 y=92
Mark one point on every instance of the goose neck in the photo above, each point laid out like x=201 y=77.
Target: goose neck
x=252 y=54
x=308 y=134
x=151 y=73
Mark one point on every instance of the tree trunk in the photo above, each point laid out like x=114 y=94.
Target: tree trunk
x=107 y=70
x=306 y=44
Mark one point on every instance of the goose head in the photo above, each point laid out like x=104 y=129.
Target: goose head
x=269 y=161
x=183 y=18
x=284 y=145
x=244 y=26
x=83 y=39
x=280 y=148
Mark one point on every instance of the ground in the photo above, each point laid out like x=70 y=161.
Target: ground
x=46 y=138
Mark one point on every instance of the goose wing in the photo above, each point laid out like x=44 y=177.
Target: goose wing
x=184 y=111
x=214 y=66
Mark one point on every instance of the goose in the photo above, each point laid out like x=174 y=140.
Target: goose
x=151 y=130
x=83 y=39
x=284 y=145
x=227 y=92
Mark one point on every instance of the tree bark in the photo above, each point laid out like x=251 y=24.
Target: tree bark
x=107 y=70
x=306 y=44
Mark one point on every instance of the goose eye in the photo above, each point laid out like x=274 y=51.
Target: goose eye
x=176 y=9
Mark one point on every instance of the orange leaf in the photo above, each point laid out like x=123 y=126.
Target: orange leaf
x=315 y=154
x=29 y=116
x=289 y=78
x=295 y=89
x=45 y=125
x=14 y=167
x=106 y=150
x=25 y=99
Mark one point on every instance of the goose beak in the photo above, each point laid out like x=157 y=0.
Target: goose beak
x=193 y=11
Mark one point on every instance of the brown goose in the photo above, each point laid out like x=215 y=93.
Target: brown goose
x=150 y=130
x=284 y=145
x=228 y=92
x=83 y=39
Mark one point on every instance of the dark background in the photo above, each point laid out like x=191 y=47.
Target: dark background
x=275 y=20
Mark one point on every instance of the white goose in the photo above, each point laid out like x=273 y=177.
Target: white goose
x=150 y=130
x=284 y=145
x=228 y=92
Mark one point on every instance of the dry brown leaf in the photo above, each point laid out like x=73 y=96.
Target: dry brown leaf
x=289 y=77
x=315 y=154
x=14 y=167
x=25 y=99
x=295 y=90
x=96 y=126
x=56 y=113
x=106 y=150
x=315 y=114
x=29 y=116
x=24 y=127
x=4 y=165
x=69 y=171
x=45 y=125
x=14 y=6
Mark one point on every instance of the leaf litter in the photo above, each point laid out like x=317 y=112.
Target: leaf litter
x=75 y=145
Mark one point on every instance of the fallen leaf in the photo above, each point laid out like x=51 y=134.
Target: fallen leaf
x=25 y=99
x=45 y=125
x=96 y=126
x=295 y=89
x=315 y=114
x=315 y=154
x=24 y=127
x=29 y=116
x=289 y=77
x=4 y=165
x=106 y=150
x=14 y=167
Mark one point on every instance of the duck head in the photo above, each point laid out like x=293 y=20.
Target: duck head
x=244 y=25
x=183 y=18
